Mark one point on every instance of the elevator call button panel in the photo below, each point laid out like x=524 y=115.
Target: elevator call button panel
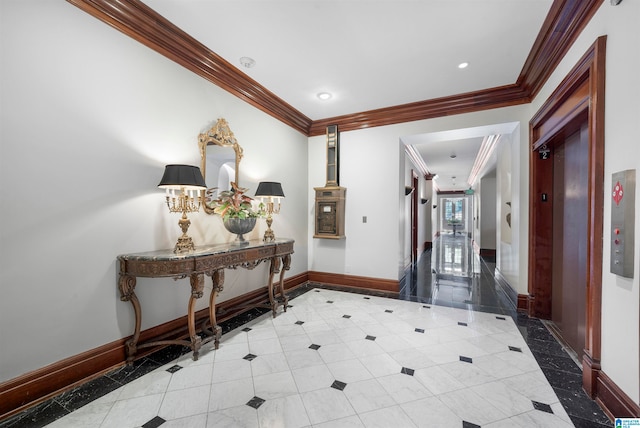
x=623 y=203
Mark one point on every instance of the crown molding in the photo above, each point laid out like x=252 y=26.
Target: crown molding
x=502 y=96
x=563 y=24
x=140 y=22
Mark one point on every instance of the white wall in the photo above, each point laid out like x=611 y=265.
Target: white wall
x=372 y=168
x=405 y=208
x=373 y=171
x=620 y=296
x=369 y=165
x=435 y=214
x=488 y=213
x=426 y=210
x=512 y=242
x=424 y=191
x=89 y=119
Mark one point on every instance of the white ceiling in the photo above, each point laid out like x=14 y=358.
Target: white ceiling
x=369 y=54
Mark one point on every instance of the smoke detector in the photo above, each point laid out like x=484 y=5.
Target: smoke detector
x=247 y=62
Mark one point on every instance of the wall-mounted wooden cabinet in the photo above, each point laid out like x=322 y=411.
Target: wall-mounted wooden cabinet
x=330 y=212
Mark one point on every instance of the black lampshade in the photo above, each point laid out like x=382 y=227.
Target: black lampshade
x=186 y=176
x=269 y=188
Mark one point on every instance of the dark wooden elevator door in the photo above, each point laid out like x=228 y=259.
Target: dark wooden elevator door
x=570 y=206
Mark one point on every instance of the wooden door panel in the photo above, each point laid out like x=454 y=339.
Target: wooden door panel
x=570 y=216
x=558 y=254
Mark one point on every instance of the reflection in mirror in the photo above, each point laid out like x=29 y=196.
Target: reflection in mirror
x=220 y=168
x=220 y=156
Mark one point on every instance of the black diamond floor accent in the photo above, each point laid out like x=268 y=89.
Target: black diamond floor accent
x=250 y=357
x=466 y=424
x=514 y=348
x=366 y=298
x=389 y=311
x=299 y=322
x=246 y=329
x=370 y=337
x=464 y=324
x=315 y=347
x=466 y=359
x=426 y=306
x=154 y=423
x=255 y=402
x=174 y=369
x=338 y=385
x=501 y=318
x=542 y=407
x=419 y=330
x=346 y=316
x=407 y=371
x=329 y=301
x=317 y=291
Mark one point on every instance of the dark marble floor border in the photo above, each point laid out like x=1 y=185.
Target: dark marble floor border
x=563 y=374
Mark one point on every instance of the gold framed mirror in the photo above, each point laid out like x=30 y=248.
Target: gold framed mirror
x=220 y=156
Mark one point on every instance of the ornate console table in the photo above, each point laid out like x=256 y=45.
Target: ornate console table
x=207 y=260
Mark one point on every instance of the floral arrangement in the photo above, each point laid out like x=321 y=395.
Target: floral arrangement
x=233 y=203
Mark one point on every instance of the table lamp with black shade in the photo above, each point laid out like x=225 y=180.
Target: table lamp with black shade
x=270 y=193
x=187 y=180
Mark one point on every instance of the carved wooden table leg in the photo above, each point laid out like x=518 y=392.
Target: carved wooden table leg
x=274 y=268
x=197 y=287
x=218 y=285
x=286 y=265
x=127 y=285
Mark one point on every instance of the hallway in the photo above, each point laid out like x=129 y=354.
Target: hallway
x=452 y=274
x=451 y=351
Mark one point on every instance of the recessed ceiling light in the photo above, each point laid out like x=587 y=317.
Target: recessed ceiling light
x=247 y=62
x=324 y=95
x=463 y=65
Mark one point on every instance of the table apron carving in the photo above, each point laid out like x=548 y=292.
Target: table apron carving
x=204 y=261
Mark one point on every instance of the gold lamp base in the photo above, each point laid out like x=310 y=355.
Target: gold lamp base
x=185 y=243
x=269 y=236
x=184 y=185
x=268 y=191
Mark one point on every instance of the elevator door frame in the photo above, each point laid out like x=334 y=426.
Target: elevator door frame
x=580 y=93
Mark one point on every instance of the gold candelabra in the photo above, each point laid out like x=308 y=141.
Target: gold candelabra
x=187 y=201
x=268 y=191
x=188 y=181
x=270 y=208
